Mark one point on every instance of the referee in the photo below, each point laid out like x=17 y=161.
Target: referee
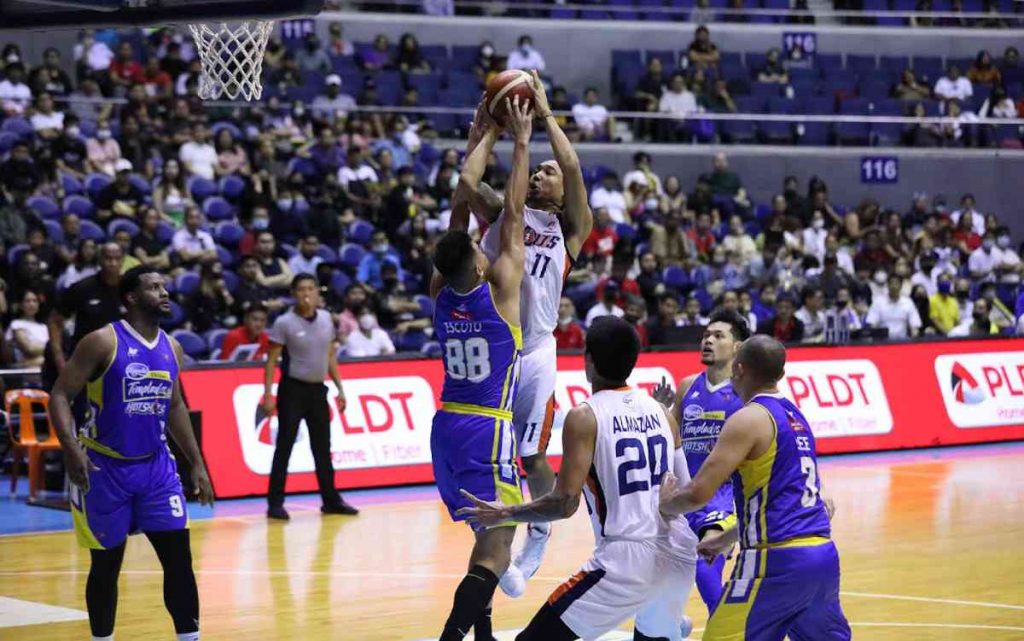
x=305 y=335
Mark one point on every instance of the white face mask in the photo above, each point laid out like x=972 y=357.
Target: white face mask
x=818 y=223
x=103 y=134
x=72 y=131
x=880 y=277
x=1004 y=241
x=564 y=322
x=366 y=322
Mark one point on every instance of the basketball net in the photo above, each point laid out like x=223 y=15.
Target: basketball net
x=232 y=59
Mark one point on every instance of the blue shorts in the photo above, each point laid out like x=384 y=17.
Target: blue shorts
x=126 y=497
x=476 y=454
x=719 y=513
x=782 y=591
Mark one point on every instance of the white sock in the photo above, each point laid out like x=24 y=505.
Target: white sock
x=543 y=528
x=189 y=636
x=110 y=638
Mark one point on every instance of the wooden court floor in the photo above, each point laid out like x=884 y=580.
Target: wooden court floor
x=931 y=548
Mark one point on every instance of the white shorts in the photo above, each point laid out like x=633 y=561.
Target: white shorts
x=533 y=410
x=623 y=579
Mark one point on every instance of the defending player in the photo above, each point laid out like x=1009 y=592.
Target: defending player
x=476 y=318
x=702 y=404
x=786 y=580
x=557 y=222
x=618 y=446
x=125 y=479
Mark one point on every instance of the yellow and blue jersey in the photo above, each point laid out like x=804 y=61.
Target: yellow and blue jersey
x=778 y=494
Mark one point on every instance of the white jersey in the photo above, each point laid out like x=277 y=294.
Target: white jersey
x=547 y=264
x=633 y=452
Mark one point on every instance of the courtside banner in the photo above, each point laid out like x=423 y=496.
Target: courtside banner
x=857 y=398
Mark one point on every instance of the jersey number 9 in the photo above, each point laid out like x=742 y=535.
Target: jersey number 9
x=468 y=359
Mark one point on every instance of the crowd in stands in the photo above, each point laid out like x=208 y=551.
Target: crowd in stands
x=230 y=204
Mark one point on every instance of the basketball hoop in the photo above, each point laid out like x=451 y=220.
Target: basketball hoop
x=232 y=59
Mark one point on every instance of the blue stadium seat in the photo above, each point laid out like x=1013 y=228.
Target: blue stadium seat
x=782 y=105
x=426 y=304
x=44 y=206
x=428 y=85
x=805 y=87
x=288 y=250
x=328 y=254
x=94 y=184
x=191 y=343
x=886 y=134
x=928 y=68
x=804 y=73
x=411 y=341
x=228 y=233
x=774 y=132
x=432 y=349
x=814 y=134
x=217 y=209
x=72 y=185
x=15 y=253
x=894 y=64
x=620 y=12
x=827 y=62
x=668 y=57
x=888 y=107
x=464 y=56
x=119 y=224
x=164 y=232
x=855 y=106
x=231 y=281
x=142 y=184
x=626 y=56
x=7 y=141
x=200 y=188
x=765 y=90
x=853 y=133
x=819 y=105
x=214 y=338
x=351 y=255
x=861 y=65
x=232 y=187
x=434 y=53
x=626 y=232
x=18 y=126
x=187 y=283
x=755 y=62
x=874 y=88
x=304 y=166
x=340 y=281
x=54 y=231
x=749 y=104
x=360 y=232
x=79 y=206
x=91 y=231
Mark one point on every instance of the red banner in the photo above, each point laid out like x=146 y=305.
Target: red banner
x=857 y=399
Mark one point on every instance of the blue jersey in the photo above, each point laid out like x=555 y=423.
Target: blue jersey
x=480 y=352
x=130 y=401
x=778 y=494
x=704 y=411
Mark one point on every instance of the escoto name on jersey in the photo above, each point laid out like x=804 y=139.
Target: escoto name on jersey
x=386 y=422
x=982 y=390
x=839 y=398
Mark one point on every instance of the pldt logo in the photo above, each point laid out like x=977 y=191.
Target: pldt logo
x=266 y=428
x=964 y=386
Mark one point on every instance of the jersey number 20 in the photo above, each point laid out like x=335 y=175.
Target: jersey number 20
x=655 y=451
x=468 y=359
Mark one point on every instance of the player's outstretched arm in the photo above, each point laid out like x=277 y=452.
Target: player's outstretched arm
x=507 y=269
x=735 y=443
x=577 y=219
x=483 y=133
x=91 y=356
x=180 y=428
x=579 y=438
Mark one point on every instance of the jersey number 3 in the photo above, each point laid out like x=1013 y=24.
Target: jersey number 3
x=810 y=496
x=468 y=359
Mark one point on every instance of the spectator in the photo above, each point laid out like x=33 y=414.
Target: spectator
x=702 y=199
x=592 y=118
x=15 y=95
x=19 y=173
x=605 y=306
x=719 y=100
x=173 y=61
x=726 y=183
x=337 y=45
x=92 y=56
x=927 y=274
x=703 y=53
x=69 y=152
x=738 y=241
x=311 y=58
x=211 y=304
x=50 y=76
x=895 y=311
x=369 y=271
x=764 y=307
x=737 y=12
x=600 y=245
x=999 y=313
x=171 y=197
x=333 y=106
x=306 y=261
x=409 y=58
x=967 y=208
x=398 y=308
x=67 y=248
x=677 y=100
x=568 y=333
x=943 y=308
x=146 y=246
x=702 y=13
x=953 y=86
x=487 y=64
x=274 y=272
x=404 y=202
x=842 y=314
x=192 y=244
x=232 y=160
x=120 y=198
x=642 y=174
x=957 y=129
x=378 y=56
x=84 y=265
x=199 y=156
x=103 y=151
x=356 y=301
x=250 y=291
x=647 y=97
x=784 y=325
x=368 y=339
x=692 y=316
x=47 y=122
x=26 y=334
x=524 y=56
x=983 y=261
x=650 y=281
x=659 y=328
x=978 y=325
x=609 y=196
x=1008 y=269
x=252 y=331
x=764 y=269
x=15 y=219
x=983 y=72
x=125 y=70
x=701 y=236
x=814 y=237
x=998 y=105
x=621 y=264
x=157 y=82
x=872 y=257
x=635 y=313
x=910 y=89
x=812 y=314
x=773 y=72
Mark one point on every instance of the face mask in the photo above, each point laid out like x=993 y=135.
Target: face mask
x=366 y=322
x=453 y=182
x=632 y=320
x=285 y=203
x=564 y=322
x=260 y=223
x=963 y=295
x=818 y=223
x=987 y=244
x=651 y=203
x=841 y=304
x=380 y=248
x=1004 y=241
x=981 y=319
x=945 y=288
x=72 y=132
x=299 y=111
x=487 y=52
x=880 y=277
x=103 y=134
x=524 y=49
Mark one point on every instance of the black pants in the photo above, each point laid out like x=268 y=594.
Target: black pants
x=297 y=400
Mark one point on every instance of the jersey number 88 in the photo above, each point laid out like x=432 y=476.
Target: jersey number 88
x=469 y=359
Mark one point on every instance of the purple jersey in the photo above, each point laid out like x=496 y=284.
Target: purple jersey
x=130 y=401
x=704 y=411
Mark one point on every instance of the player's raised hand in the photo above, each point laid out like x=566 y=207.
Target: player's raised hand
x=78 y=465
x=520 y=119
x=540 y=97
x=202 y=485
x=664 y=394
x=481 y=124
x=486 y=513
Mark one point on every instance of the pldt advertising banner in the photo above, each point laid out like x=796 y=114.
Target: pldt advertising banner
x=858 y=398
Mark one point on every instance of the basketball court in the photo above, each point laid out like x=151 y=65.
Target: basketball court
x=930 y=546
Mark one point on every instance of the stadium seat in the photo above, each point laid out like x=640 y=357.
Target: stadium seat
x=411 y=341
x=432 y=349
x=328 y=254
x=91 y=231
x=231 y=281
x=94 y=184
x=739 y=131
x=675 y=278
x=187 y=283
x=7 y=141
x=53 y=231
x=141 y=184
x=175 y=319
x=72 y=185
x=232 y=187
x=426 y=304
x=18 y=126
x=894 y=65
x=214 y=338
x=220 y=126
x=164 y=232
x=118 y=224
x=191 y=343
x=360 y=232
x=14 y=253
x=861 y=65
x=217 y=209
x=775 y=132
x=45 y=206
x=827 y=62
x=225 y=257
x=351 y=255
x=228 y=233
x=340 y=281
x=79 y=206
x=625 y=232
x=200 y=188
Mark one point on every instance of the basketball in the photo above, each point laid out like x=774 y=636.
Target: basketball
x=507 y=84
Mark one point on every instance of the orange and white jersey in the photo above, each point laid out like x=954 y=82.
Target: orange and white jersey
x=547 y=265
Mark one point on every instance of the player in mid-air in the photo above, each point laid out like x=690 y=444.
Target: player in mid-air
x=124 y=477
x=557 y=222
x=702 y=404
x=786 y=579
x=618 y=446
x=476 y=320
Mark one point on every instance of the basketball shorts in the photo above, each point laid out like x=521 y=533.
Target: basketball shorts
x=719 y=513
x=625 y=578
x=126 y=497
x=476 y=454
x=533 y=410
x=782 y=591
